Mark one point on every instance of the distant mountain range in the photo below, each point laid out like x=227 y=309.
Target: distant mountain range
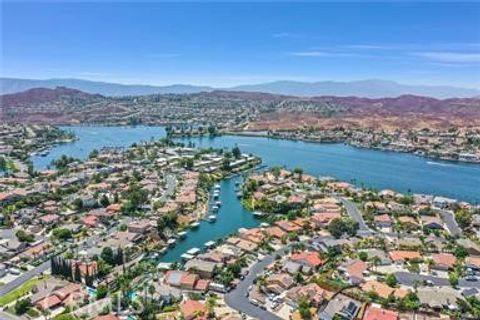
x=364 y=88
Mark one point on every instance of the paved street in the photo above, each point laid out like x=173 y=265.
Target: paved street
x=237 y=299
x=408 y=279
x=24 y=278
x=356 y=215
x=8 y=316
x=451 y=223
x=170 y=185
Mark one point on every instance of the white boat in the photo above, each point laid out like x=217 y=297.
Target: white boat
x=215 y=208
x=217 y=186
x=216 y=195
x=264 y=225
x=258 y=214
x=171 y=242
x=193 y=251
x=182 y=234
x=212 y=218
x=187 y=256
x=195 y=224
x=218 y=203
x=210 y=244
x=163 y=250
x=239 y=194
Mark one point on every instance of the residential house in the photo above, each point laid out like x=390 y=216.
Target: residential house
x=377 y=313
x=443 y=261
x=353 y=271
x=342 y=306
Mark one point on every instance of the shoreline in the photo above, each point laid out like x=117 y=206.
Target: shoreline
x=426 y=156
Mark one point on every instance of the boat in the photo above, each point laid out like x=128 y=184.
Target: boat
x=239 y=194
x=217 y=187
x=237 y=183
x=264 y=225
x=218 y=203
x=171 y=242
x=195 y=224
x=187 y=256
x=210 y=244
x=258 y=214
x=193 y=251
x=212 y=218
x=163 y=250
x=44 y=153
x=182 y=235
x=216 y=195
x=215 y=208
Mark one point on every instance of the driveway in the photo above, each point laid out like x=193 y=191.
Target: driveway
x=356 y=216
x=452 y=225
x=24 y=278
x=237 y=299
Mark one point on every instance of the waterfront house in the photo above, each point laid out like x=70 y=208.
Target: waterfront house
x=205 y=269
x=442 y=202
x=140 y=226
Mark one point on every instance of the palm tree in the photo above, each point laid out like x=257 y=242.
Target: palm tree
x=211 y=303
x=376 y=262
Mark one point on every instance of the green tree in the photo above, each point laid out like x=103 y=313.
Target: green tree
x=24 y=236
x=108 y=256
x=464 y=218
x=362 y=255
x=62 y=233
x=236 y=152
x=102 y=291
x=22 y=306
x=391 y=280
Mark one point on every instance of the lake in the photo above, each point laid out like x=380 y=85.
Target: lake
x=370 y=168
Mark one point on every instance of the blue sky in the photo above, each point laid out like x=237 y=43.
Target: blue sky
x=225 y=44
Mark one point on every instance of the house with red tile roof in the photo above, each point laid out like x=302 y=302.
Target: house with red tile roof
x=443 y=261
x=377 y=313
x=307 y=258
x=400 y=256
x=288 y=226
x=91 y=221
x=193 y=309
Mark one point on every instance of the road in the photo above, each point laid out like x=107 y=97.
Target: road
x=170 y=185
x=24 y=278
x=452 y=225
x=237 y=298
x=408 y=279
x=8 y=316
x=356 y=216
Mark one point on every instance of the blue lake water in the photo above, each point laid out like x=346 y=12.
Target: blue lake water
x=231 y=216
x=90 y=138
x=370 y=168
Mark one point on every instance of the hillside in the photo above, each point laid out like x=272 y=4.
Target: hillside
x=363 y=88
x=235 y=109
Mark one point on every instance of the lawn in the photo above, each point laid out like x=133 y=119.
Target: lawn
x=19 y=292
